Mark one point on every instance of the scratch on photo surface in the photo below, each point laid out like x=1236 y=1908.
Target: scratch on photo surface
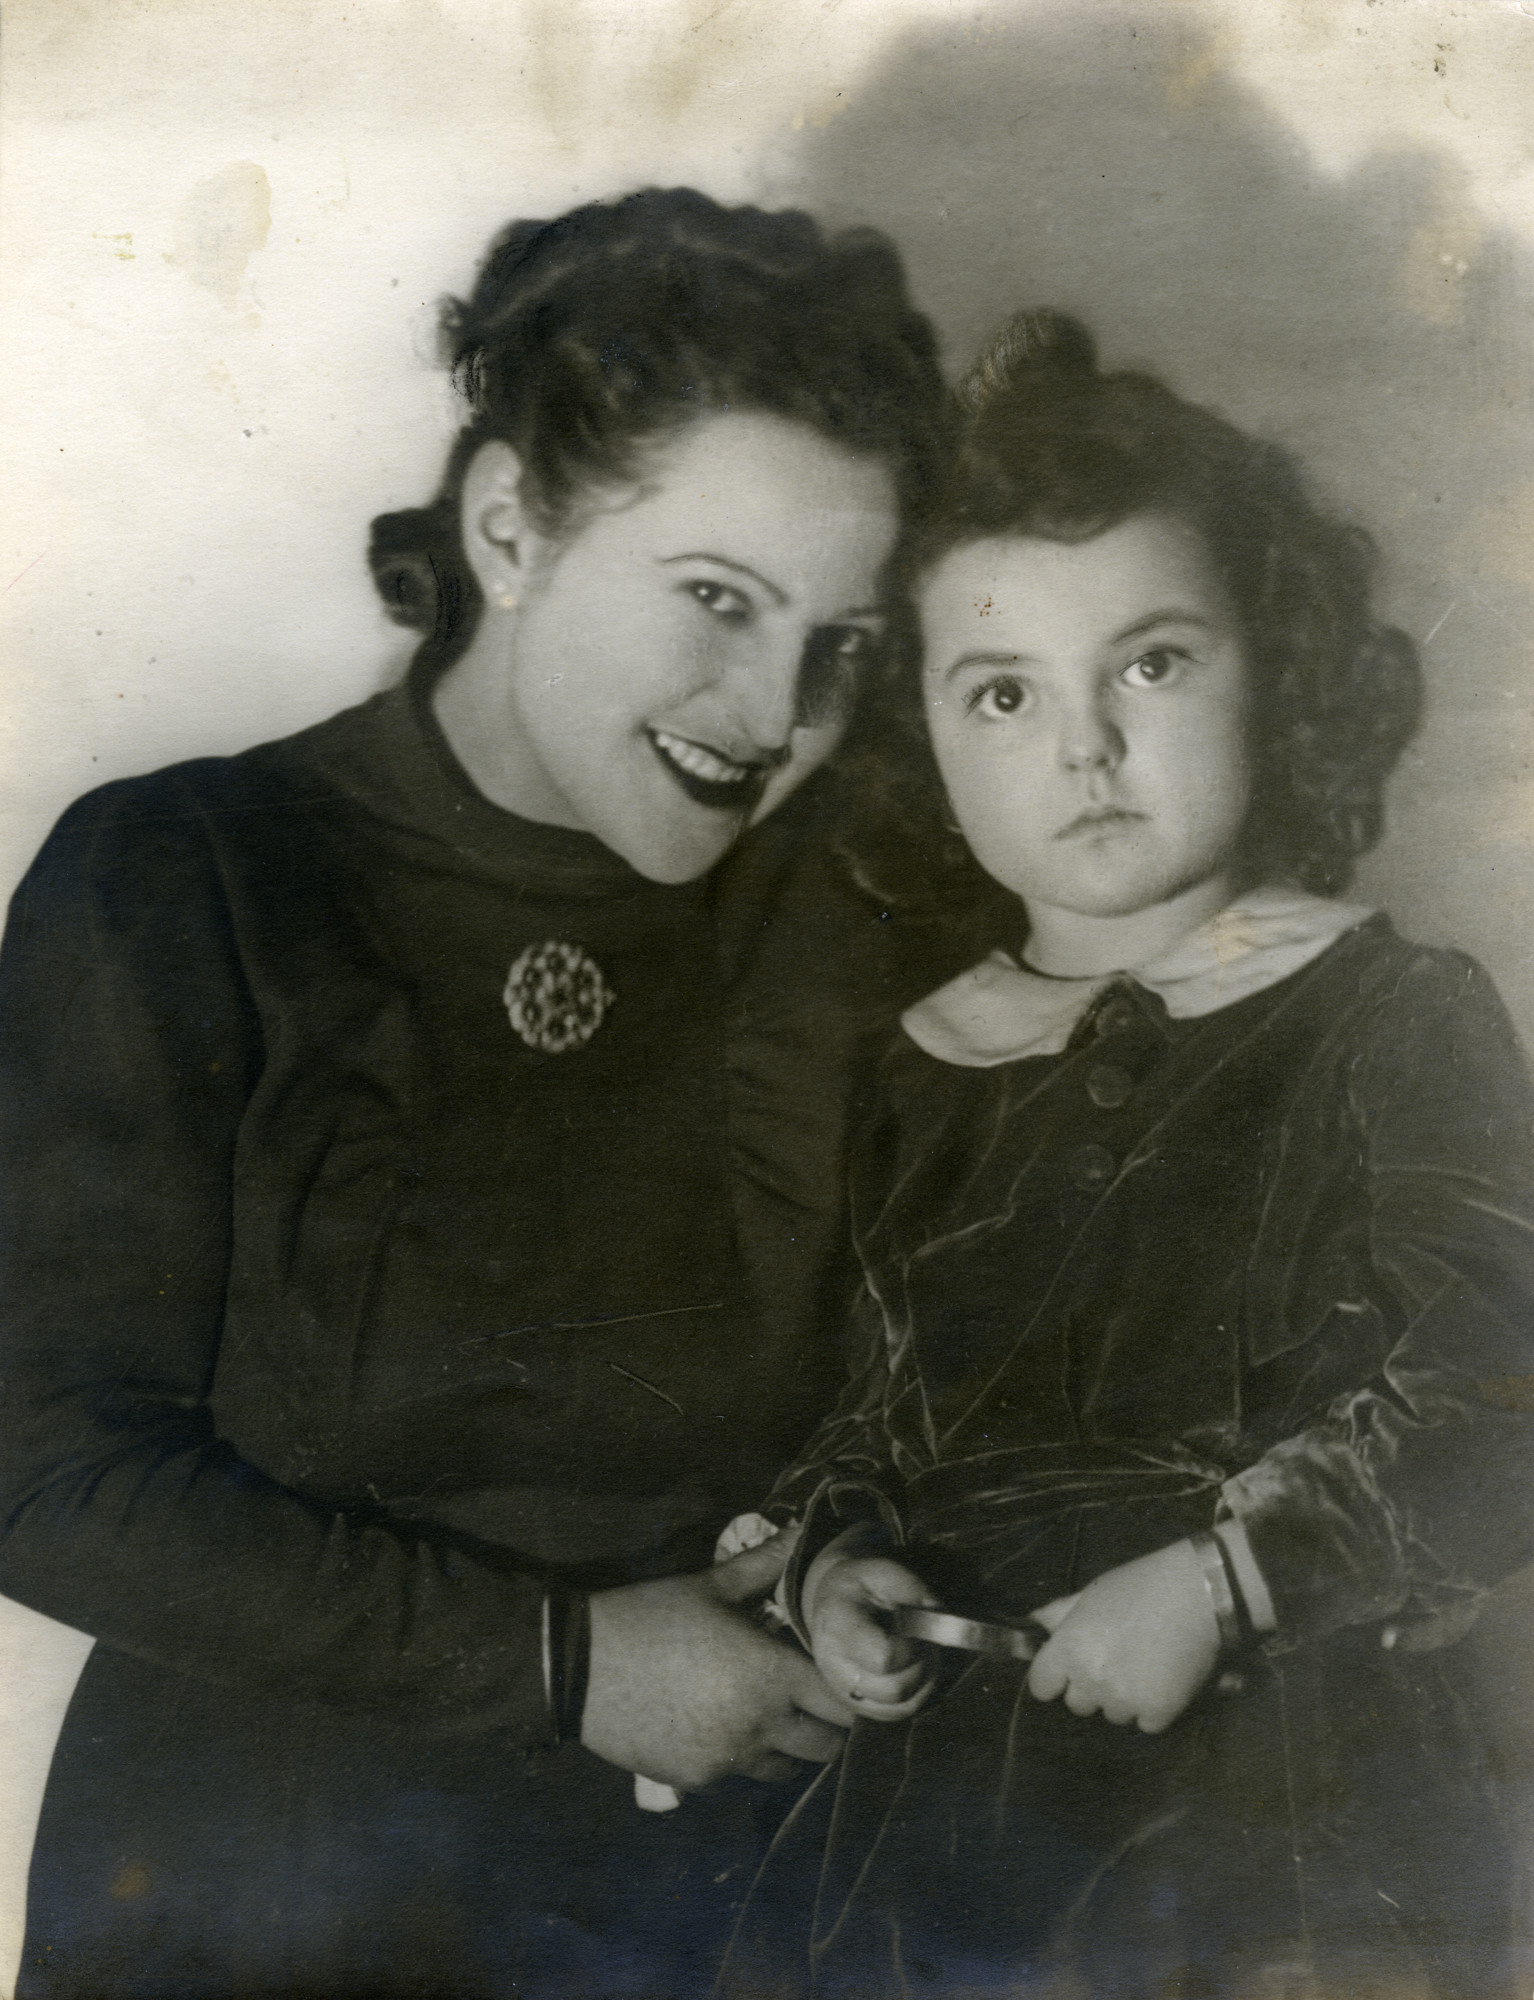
x=629 y=1375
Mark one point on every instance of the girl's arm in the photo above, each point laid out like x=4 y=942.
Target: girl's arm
x=1411 y=1490
x=850 y=1474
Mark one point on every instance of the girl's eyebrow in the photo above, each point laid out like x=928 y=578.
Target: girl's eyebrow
x=985 y=660
x=1172 y=615
x=725 y=562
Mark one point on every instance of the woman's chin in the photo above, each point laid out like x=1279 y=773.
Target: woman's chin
x=679 y=853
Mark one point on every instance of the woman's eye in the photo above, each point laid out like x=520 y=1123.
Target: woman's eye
x=722 y=599
x=828 y=679
x=1003 y=696
x=1153 y=669
x=853 y=643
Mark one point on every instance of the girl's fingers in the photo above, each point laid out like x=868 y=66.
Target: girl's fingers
x=896 y=1711
x=1048 y=1676
x=1055 y=1613
x=876 y=1651
x=868 y=1691
x=891 y=1583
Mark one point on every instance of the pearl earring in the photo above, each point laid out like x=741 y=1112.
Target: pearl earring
x=507 y=600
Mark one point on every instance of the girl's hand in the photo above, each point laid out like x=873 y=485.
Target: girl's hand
x=844 y=1593
x=1138 y=1643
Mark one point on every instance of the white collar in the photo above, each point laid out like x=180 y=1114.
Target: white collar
x=998 y=1012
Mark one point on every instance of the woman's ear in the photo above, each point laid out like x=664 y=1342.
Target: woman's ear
x=494 y=523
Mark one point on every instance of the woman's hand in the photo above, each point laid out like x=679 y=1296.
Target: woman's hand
x=844 y=1593
x=686 y=1688
x=1138 y=1643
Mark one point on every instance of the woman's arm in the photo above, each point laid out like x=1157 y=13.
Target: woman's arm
x=128 y=1047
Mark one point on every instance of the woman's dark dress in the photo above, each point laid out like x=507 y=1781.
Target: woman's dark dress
x=1278 y=1259
x=337 y=1318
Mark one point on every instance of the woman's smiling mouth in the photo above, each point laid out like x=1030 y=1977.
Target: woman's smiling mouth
x=707 y=776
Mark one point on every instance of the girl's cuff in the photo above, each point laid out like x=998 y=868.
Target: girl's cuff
x=1249 y=1579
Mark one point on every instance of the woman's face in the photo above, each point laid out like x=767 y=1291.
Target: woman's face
x=1087 y=703
x=675 y=666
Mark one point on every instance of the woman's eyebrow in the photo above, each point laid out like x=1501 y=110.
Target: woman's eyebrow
x=726 y=562
x=1173 y=614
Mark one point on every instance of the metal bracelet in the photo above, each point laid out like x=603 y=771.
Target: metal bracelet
x=1205 y=1544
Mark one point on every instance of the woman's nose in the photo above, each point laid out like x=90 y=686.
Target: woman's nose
x=764 y=696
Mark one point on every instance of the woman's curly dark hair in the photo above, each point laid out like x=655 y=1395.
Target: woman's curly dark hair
x=1049 y=447
x=589 y=337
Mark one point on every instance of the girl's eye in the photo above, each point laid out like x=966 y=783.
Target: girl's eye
x=1153 y=669
x=1003 y=696
x=722 y=599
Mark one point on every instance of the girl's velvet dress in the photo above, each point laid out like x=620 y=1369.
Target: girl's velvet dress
x=339 y=1317
x=1277 y=1261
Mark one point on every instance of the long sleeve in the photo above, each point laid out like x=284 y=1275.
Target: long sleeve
x=1412 y=1490
x=128 y=1045
x=853 y=1468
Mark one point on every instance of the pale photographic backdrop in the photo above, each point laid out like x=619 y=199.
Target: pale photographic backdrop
x=224 y=225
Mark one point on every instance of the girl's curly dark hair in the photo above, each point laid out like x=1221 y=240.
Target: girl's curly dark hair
x=1049 y=447
x=589 y=337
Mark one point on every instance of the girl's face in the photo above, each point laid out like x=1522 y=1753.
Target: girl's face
x=678 y=664
x=1087 y=704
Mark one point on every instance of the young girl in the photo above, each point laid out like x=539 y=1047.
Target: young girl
x=1196 y=1231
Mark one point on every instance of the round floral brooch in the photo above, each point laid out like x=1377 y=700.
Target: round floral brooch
x=556 y=997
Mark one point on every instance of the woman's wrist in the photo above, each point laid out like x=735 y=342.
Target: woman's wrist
x=566 y=1659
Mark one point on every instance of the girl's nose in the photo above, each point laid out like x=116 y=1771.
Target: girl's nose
x=1090 y=739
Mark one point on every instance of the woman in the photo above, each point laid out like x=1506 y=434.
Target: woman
x=381 y=1318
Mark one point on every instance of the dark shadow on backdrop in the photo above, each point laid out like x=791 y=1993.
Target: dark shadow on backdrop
x=1103 y=158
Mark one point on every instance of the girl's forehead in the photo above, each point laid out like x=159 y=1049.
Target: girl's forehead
x=1143 y=564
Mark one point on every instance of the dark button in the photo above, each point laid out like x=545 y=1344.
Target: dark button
x=1091 y=1166
x=1108 y=1086
x=1116 y=1017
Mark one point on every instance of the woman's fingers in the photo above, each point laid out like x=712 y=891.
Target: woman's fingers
x=815 y=1696
x=754 y=1571
x=805 y=1737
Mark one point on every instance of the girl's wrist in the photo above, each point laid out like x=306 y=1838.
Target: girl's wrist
x=1247 y=1575
x=859 y=1539
x=1214 y=1569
